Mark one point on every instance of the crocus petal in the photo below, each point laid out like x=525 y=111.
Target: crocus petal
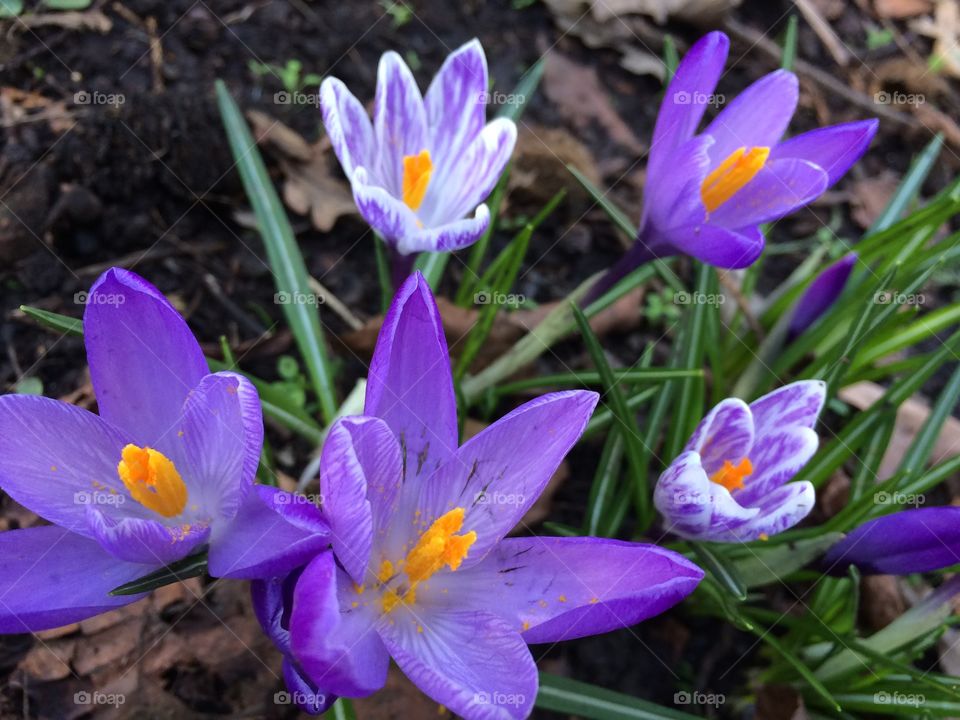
x=673 y=200
x=338 y=647
x=348 y=126
x=472 y=663
x=56 y=459
x=833 y=148
x=384 y=212
x=905 y=542
x=399 y=120
x=821 y=294
x=449 y=237
x=303 y=693
x=776 y=458
x=360 y=474
x=410 y=383
x=455 y=105
x=693 y=506
x=143 y=358
x=778 y=189
x=51 y=577
x=216 y=445
x=726 y=433
x=142 y=540
x=719 y=246
x=780 y=510
x=757 y=117
x=273 y=533
x=796 y=404
x=498 y=474
x=474 y=175
x=554 y=589
x=687 y=96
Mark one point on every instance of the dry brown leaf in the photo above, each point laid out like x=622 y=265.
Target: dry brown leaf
x=93 y=20
x=901 y=9
x=944 y=28
x=700 y=12
x=882 y=600
x=49 y=660
x=580 y=97
x=539 y=166
x=311 y=186
x=780 y=702
x=910 y=418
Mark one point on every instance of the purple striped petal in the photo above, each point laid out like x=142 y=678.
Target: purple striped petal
x=399 y=120
x=143 y=358
x=335 y=642
x=776 y=458
x=796 y=404
x=554 y=589
x=273 y=532
x=51 y=577
x=447 y=238
x=686 y=98
x=469 y=181
x=216 y=444
x=57 y=459
x=833 y=148
x=498 y=474
x=821 y=294
x=410 y=383
x=726 y=433
x=302 y=692
x=719 y=246
x=672 y=196
x=348 y=126
x=778 y=189
x=144 y=540
x=757 y=117
x=456 y=105
x=472 y=663
x=360 y=474
x=909 y=541
x=385 y=213
x=780 y=510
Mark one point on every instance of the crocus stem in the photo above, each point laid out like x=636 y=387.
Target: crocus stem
x=642 y=251
x=400 y=266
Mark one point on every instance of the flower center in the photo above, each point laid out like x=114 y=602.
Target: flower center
x=152 y=480
x=439 y=546
x=731 y=476
x=731 y=175
x=416 y=177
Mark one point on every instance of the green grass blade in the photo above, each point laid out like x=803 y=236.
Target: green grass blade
x=723 y=571
x=54 y=321
x=567 y=696
x=286 y=262
x=188 y=567
x=910 y=186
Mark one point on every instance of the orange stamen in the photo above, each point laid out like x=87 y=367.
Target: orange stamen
x=731 y=175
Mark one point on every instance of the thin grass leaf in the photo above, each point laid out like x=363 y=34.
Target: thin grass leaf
x=760 y=566
x=909 y=187
x=431 y=266
x=286 y=262
x=814 y=683
x=789 y=44
x=919 y=451
x=342 y=709
x=628 y=422
x=188 y=567
x=671 y=59
x=604 y=485
x=723 y=571
x=54 y=321
x=563 y=695
x=383 y=272
x=589 y=378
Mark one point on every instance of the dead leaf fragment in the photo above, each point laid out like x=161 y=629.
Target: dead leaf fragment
x=882 y=600
x=901 y=9
x=944 y=28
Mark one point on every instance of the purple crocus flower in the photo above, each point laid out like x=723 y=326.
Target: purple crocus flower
x=420 y=569
x=821 y=294
x=731 y=482
x=426 y=162
x=909 y=541
x=707 y=193
x=165 y=469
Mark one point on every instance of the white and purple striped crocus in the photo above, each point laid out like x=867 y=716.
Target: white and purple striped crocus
x=164 y=470
x=707 y=193
x=731 y=482
x=426 y=162
x=821 y=294
x=420 y=569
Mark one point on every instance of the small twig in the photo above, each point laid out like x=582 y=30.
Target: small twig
x=734 y=289
x=823 y=30
x=335 y=304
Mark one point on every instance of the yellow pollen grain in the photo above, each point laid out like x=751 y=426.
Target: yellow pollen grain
x=542 y=603
x=152 y=480
x=417 y=170
x=731 y=175
x=526 y=625
x=764 y=537
x=594 y=601
x=562 y=598
x=731 y=476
